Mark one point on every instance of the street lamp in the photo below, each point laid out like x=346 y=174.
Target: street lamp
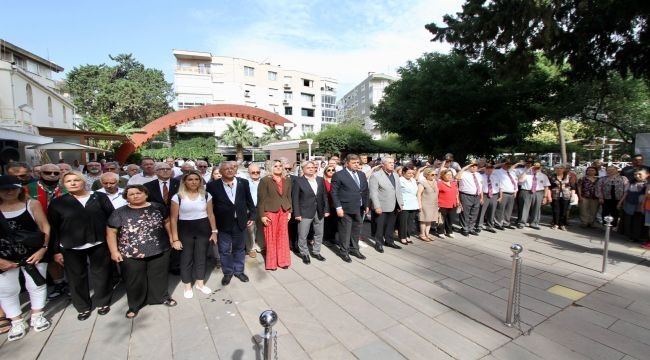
x=309 y=142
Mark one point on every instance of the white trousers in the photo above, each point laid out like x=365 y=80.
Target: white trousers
x=10 y=291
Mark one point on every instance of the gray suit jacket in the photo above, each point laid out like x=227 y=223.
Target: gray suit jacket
x=382 y=192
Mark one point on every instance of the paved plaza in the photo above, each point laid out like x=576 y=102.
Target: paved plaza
x=440 y=300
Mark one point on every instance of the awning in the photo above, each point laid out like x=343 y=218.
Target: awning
x=287 y=144
x=7 y=134
x=64 y=146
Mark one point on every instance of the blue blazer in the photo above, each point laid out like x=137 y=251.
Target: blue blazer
x=346 y=194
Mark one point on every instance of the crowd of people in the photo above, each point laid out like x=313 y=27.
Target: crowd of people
x=137 y=223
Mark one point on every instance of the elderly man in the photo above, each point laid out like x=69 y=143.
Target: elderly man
x=65 y=168
x=176 y=171
x=21 y=170
x=131 y=170
x=202 y=166
x=533 y=193
x=113 y=167
x=185 y=169
x=386 y=202
x=470 y=185
x=492 y=196
x=110 y=186
x=94 y=172
x=336 y=162
x=254 y=238
x=36 y=172
x=148 y=172
x=509 y=186
x=234 y=211
x=310 y=207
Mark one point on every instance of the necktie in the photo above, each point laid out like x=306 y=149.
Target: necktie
x=489 y=186
x=356 y=179
x=476 y=183
x=533 y=187
x=392 y=179
x=165 y=192
x=512 y=180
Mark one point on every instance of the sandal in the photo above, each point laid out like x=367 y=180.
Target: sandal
x=424 y=238
x=170 y=302
x=130 y=314
x=5 y=325
x=404 y=241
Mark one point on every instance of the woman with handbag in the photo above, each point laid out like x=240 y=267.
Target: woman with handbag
x=23 y=242
x=78 y=231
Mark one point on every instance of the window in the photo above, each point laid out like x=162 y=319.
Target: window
x=288 y=95
x=30 y=95
x=307 y=128
x=307 y=112
x=288 y=110
x=249 y=71
x=49 y=107
x=273 y=76
x=308 y=83
x=309 y=98
x=216 y=68
x=204 y=68
x=65 y=115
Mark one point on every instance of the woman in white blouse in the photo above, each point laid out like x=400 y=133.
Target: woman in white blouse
x=193 y=225
x=409 y=188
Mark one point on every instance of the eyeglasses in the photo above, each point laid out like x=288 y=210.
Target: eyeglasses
x=164 y=169
x=253 y=172
x=288 y=169
x=111 y=168
x=55 y=173
x=202 y=166
x=329 y=170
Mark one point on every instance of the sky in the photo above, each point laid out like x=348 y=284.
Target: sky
x=340 y=39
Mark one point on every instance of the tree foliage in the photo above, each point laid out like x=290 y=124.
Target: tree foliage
x=238 y=134
x=344 y=138
x=447 y=103
x=125 y=92
x=592 y=36
x=195 y=148
x=270 y=134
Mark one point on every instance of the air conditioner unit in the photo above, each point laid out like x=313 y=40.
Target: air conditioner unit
x=313 y=104
x=285 y=102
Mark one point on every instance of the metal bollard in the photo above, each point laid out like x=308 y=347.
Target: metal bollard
x=514 y=281
x=268 y=318
x=608 y=228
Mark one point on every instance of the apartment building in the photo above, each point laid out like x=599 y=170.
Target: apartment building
x=307 y=100
x=357 y=102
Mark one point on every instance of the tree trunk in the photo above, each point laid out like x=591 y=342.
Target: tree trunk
x=560 y=132
x=240 y=153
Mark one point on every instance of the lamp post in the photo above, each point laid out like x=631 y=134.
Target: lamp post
x=309 y=142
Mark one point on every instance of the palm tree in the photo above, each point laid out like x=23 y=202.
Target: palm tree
x=238 y=134
x=270 y=134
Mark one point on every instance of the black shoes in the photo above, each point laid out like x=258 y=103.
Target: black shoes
x=305 y=259
x=226 y=280
x=464 y=233
x=510 y=227
x=103 y=310
x=358 y=254
x=474 y=232
x=379 y=248
x=242 y=277
x=392 y=245
x=346 y=258
x=498 y=227
x=490 y=230
x=318 y=257
x=84 y=315
x=520 y=226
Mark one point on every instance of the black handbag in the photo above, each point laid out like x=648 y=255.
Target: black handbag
x=27 y=239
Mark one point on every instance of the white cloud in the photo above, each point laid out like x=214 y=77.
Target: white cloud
x=341 y=39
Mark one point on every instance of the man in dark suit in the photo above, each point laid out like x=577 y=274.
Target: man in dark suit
x=310 y=207
x=161 y=191
x=234 y=210
x=350 y=197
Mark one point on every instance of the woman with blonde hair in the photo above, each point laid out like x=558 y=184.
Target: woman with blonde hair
x=274 y=211
x=193 y=225
x=428 y=199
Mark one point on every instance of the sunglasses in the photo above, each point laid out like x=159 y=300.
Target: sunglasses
x=329 y=170
x=55 y=173
x=254 y=172
x=202 y=166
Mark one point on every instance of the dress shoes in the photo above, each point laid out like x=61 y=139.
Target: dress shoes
x=535 y=227
x=392 y=245
x=358 y=254
x=510 y=227
x=498 y=227
x=226 y=280
x=346 y=258
x=474 y=232
x=318 y=257
x=242 y=277
x=520 y=226
x=305 y=259
x=379 y=247
x=490 y=230
x=464 y=233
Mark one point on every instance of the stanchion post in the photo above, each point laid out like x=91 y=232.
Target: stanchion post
x=608 y=228
x=514 y=277
x=268 y=318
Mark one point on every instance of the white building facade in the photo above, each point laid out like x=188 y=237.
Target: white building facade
x=29 y=99
x=307 y=100
x=357 y=102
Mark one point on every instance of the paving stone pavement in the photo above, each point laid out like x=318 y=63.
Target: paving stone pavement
x=440 y=300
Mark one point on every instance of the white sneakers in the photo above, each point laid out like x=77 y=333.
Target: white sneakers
x=188 y=294
x=17 y=330
x=206 y=290
x=39 y=322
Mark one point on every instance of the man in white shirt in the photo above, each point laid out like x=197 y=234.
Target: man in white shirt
x=94 y=172
x=110 y=181
x=172 y=164
x=491 y=198
x=471 y=197
x=148 y=172
x=533 y=193
x=202 y=166
x=509 y=186
x=254 y=238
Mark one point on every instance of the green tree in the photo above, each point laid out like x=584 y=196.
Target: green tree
x=344 y=138
x=593 y=37
x=123 y=93
x=270 y=134
x=448 y=103
x=238 y=134
x=194 y=148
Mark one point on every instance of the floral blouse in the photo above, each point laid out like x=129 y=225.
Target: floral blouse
x=588 y=188
x=605 y=184
x=141 y=231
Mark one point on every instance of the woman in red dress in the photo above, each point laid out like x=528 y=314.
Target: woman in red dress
x=274 y=211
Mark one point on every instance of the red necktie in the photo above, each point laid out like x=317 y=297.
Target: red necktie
x=489 y=186
x=533 y=187
x=514 y=184
x=165 y=192
x=476 y=183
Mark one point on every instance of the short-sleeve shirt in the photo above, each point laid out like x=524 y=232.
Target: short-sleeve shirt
x=141 y=231
x=193 y=209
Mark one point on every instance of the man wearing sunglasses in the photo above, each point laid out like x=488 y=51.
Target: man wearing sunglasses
x=202 y=166
x=254 y=238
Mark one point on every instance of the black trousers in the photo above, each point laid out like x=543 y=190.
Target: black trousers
x=406 y=223
x=77 y=270
x=560 y=207
x=449 y=217
x=146 y=280
x=349 y=228
x=384 y=226
x=329 y=232
x=610 y=208
x=195 y=237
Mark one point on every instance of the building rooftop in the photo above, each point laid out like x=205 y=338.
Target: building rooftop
x=4 y=44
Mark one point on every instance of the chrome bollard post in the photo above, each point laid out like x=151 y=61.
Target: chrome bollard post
x=268 y=318
x=514 y=281
x=608 y=228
